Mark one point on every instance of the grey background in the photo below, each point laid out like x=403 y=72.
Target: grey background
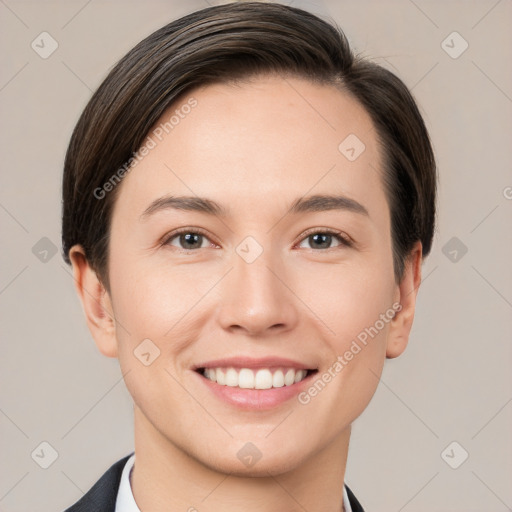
x=454 y=381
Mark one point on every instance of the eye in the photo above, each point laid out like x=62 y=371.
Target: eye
x=323 y=239
x=187 y=239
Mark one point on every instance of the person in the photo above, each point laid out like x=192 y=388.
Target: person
x=246 y=209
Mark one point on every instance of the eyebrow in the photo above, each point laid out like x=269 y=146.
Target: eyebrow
x=314 y=203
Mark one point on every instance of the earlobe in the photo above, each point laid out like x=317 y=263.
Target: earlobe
x=96 y=303
x=406 y=293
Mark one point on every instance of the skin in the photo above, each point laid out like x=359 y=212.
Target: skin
x=254 y=147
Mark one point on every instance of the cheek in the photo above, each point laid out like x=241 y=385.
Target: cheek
x=362 y=324
x=346 y=298
x=159 y=303
x=145 y=298
x=152 y=305
x=352 y=302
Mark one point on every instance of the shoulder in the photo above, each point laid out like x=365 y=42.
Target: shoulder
x=103 y=494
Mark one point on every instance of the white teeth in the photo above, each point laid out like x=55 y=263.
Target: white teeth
x=289 y=378
x=246 y=378
x=231 y=377
x=300 y=375
x=278 y=379
x=221 y=376
x=263 y=379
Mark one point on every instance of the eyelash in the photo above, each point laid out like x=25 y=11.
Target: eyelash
x=344 y=240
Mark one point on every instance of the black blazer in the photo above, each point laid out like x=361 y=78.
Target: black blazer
x=103 y=494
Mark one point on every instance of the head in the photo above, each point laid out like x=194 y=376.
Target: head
x=259 y=114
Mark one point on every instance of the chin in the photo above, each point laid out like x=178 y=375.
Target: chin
x=271 y=462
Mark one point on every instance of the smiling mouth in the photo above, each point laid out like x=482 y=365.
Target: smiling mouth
x=262 y=378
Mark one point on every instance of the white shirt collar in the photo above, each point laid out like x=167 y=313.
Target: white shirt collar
x=126 y=502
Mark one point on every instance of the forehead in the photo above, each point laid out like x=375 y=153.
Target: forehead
x=268 y=140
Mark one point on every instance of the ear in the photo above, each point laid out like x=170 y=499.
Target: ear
x=406 y=292
x=96 y=302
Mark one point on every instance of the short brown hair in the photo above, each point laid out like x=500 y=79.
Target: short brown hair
x=228 y=43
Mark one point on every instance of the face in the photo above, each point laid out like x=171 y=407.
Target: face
x=251 y=292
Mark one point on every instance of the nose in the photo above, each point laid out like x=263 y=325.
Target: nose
x=256 y=298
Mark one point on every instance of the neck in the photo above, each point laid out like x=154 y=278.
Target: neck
x=167 y=478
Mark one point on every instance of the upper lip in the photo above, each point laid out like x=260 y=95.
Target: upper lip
x=250 y=362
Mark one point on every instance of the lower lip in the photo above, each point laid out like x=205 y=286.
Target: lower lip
x=255 y=399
